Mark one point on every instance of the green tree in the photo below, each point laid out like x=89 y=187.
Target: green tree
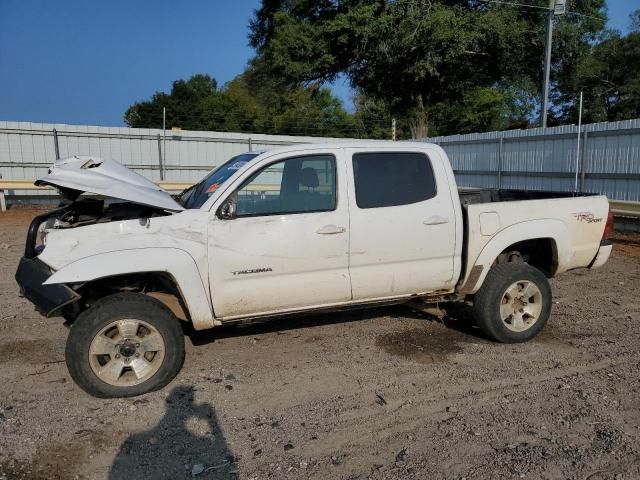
x=182 y=104
x=421 y=57
x=245 y=104
x=610 y=78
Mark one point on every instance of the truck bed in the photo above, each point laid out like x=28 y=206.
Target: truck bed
x=470 y=195
x=570 y=225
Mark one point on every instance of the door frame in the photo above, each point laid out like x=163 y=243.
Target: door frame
x=445 y=185
x=220 y=195
x=342 y=201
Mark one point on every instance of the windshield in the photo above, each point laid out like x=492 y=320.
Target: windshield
x=198 y=194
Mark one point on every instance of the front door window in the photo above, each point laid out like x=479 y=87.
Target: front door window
x=296 y=185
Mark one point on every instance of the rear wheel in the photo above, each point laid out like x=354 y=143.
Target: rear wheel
x=126 y=344
x=513 y=303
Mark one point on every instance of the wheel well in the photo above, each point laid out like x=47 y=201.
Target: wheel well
x=538 y=252
x=158 y=285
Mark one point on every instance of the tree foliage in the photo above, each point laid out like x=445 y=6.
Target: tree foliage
x=437 y=66
x=243 y=105
x=610 y=78
x=452 y=66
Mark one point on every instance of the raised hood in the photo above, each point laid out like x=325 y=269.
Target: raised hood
x=107 y=178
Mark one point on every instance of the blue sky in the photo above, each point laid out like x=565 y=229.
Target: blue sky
x=85 y=62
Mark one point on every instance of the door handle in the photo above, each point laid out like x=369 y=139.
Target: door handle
x=435 y=220
x=330 y=230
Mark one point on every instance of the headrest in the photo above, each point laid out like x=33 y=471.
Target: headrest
x=309 y=177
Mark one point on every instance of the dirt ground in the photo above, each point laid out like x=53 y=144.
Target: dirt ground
x=381 y=394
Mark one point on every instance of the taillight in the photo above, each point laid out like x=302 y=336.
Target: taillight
x=608 y=228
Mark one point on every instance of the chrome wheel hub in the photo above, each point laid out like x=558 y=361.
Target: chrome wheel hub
x=127 y=349
x=521 y=306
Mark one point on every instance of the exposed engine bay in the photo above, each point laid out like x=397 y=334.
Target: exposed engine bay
x=94 y=210
x=82 y=212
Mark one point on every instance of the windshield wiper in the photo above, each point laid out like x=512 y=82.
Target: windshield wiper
x=178 y=196
x=188 y=189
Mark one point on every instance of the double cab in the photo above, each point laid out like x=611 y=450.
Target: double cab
x=296 y=229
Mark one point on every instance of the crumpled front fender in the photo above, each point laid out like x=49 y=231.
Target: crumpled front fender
x=173 y=261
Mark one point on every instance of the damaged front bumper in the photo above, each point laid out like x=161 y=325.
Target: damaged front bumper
x=48 y=299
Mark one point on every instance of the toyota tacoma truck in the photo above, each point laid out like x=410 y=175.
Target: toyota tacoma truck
x=297 y=229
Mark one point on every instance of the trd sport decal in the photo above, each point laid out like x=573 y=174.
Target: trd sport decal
x=252 y=270
x=586 y=217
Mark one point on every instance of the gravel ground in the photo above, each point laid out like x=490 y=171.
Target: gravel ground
x=382 y=394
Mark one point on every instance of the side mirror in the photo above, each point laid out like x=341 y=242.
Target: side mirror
x=227 y=210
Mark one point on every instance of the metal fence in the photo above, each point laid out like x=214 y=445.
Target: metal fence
x=537 y=159
x=545 y=158
x=28 y=149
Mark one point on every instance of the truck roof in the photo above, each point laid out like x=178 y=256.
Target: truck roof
x=352 y=144
x=343 y=144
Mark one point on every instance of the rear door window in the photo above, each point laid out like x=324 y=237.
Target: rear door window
x=387 y=179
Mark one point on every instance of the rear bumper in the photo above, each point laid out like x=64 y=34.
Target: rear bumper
x=603 y=254
x=48 y=299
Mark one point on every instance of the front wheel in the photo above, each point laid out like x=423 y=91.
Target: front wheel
x=513 y=303
x=126 y=344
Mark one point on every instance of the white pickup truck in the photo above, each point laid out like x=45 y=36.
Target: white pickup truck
x=296 y=229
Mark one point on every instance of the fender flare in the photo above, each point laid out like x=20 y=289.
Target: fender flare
x=176 y=262
x=549 y=228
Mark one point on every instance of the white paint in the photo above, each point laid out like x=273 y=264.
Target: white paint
x=301 y=262
x=576 y=241
x=175 y=244
x=306 y=253
x=489 y=223
x=177 y=263
x=405 y=249
x=107 y=178
x=603 y=255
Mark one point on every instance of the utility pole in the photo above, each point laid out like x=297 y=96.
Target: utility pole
x=575 y=186
x=556 y=7
x=547 y=65
x=164 y=140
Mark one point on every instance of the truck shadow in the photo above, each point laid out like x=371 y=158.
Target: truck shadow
x=188 y=434
x=458 y=319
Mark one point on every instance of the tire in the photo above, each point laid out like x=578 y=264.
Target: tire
x=507 y=308
x=124 y=345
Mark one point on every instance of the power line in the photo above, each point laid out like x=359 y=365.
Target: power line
x=576 y=14
x=515 y=4
x=538 y=7
x=312 y=127
x=231 y=122
x=551 y=14
x=211 y=114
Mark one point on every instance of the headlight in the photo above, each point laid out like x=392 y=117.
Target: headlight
x=43 y=231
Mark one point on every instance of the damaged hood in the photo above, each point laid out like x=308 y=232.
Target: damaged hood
x=107 y=178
